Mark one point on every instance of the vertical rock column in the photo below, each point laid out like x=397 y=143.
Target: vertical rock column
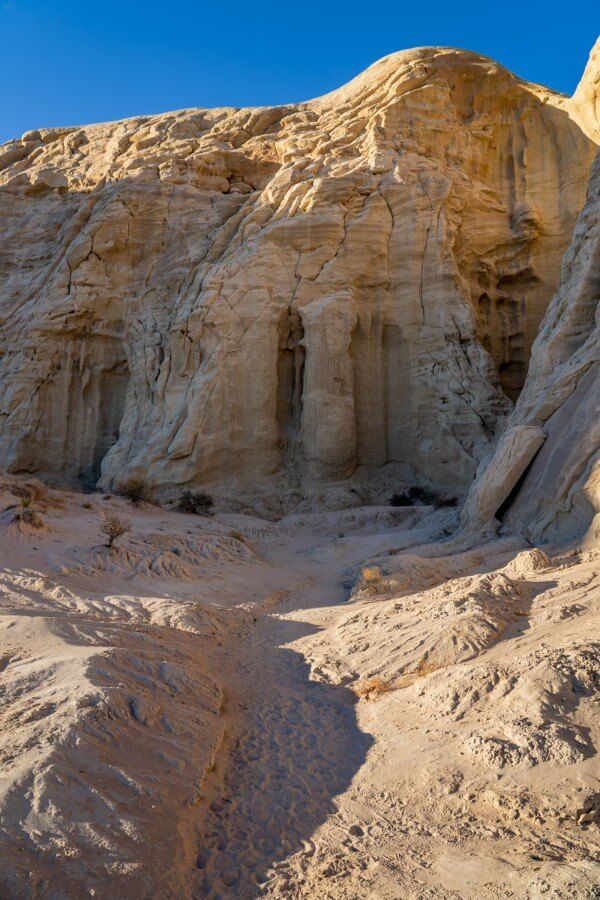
x=290 y=383
x=328 y=416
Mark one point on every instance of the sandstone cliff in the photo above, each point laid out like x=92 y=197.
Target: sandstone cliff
x=301 y=291
x=544 y=476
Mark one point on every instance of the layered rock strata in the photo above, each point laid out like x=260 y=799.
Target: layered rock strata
x=229 y=295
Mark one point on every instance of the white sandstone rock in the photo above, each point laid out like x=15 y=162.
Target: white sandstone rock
x=225 y=296
x=559 y=497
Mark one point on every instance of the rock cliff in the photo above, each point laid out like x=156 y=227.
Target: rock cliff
x=301 y=292
x=544 y=475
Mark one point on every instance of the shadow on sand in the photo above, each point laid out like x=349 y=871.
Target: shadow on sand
x=302 y=750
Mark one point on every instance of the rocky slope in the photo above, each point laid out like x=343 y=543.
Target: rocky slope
x=287 y=295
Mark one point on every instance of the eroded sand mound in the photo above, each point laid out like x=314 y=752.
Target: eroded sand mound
x=186 y=714
x=112 y=690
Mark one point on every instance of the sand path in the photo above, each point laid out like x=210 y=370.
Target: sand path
x=302 y=745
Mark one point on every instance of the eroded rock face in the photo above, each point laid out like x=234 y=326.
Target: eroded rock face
x=549 y=485
x=233 y=294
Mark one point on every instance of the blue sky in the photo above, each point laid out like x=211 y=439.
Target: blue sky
x=67 y=62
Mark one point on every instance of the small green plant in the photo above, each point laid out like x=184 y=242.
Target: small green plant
x=135 y=489
x=198 y=502
x=113 y=527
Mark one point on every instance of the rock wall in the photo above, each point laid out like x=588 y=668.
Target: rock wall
x=544 y=476
x=224 y=296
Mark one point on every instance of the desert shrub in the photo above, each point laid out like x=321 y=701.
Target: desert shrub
x=135 y=489
x=371 y=580
x=400 y=499
x=414 y=494
x=198 y=502
x=447 y=500
x=371 y=574
x=30 y=490
x=29 y=516
x=373 y=686
x=113 y=527
x=424 y=495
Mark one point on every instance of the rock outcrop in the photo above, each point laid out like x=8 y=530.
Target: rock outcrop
x=232 y=295
x=544 y=475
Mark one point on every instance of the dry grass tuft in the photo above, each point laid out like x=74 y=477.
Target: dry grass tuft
x=371 y=580
x=238 y=536
x=374 y=686
x=30 y=491
x=425 y=667
x=371 y=574
x=26 y=515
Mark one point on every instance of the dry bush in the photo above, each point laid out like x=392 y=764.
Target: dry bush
x=30 y=490
x=373 y=686
x=371 y=579
x=238 y=536
x=113 y=527
x=28 y=516
x=135 y=489
x=411 y=496
x=447 y=500
x=371 y=574
x=400 y=499
x=416 y=494
x=198 y=502
x=425 y=667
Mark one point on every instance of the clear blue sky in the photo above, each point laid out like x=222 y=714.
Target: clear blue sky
x=67 y=62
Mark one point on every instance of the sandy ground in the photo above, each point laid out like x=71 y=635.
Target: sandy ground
x=336 y=705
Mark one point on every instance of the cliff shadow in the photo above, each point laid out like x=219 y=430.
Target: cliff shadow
x=302 y=749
